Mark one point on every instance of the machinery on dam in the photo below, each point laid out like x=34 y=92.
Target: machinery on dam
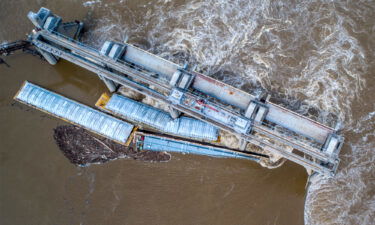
x=207 y=104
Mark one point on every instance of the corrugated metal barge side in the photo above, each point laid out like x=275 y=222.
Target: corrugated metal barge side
x=74 y=112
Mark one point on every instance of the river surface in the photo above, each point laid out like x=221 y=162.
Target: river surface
x=313 y=54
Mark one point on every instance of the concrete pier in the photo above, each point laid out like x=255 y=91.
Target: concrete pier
x=316 y=146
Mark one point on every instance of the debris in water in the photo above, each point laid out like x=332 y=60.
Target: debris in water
x=83 y=148
x=2 y=61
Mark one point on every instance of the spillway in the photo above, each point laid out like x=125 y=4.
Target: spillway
x=253 y=119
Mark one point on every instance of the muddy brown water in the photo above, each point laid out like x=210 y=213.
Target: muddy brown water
x=38 y=185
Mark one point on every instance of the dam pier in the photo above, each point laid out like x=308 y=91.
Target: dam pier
x=198 y=105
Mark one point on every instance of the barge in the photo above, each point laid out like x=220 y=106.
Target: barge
x=193 y=99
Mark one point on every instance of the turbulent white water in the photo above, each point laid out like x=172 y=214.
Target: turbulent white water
x=349 y=198
x=319 y=52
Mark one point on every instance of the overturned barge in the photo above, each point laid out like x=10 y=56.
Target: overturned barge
x=253 y=119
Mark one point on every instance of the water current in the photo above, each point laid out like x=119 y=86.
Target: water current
x=315 y=57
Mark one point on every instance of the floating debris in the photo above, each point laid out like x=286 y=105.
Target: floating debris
x=8 y=48
x=83 y=148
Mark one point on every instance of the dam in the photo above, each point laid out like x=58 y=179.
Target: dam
x=253 y=119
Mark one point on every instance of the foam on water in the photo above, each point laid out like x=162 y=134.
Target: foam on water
x=310 y=53
x=310 y=57
x=91 y=3
x=349 y=198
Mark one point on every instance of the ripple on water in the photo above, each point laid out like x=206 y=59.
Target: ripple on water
x=310 y=51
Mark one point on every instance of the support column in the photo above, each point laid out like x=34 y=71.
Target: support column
x=256 y=111
x=112 y=86
x=51 y=59
x=243 y=144
x=174 y=113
